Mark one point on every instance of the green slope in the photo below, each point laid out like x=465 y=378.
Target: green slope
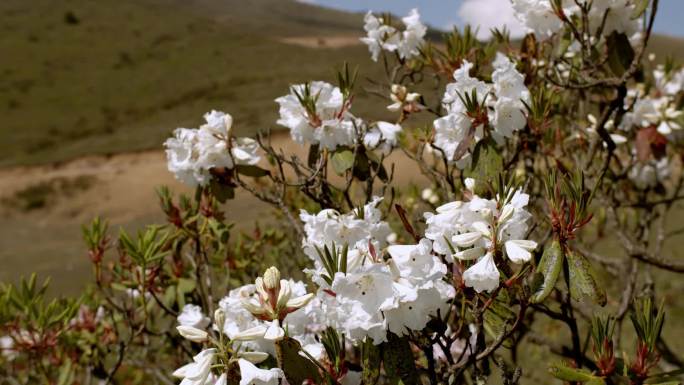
x=87 y=77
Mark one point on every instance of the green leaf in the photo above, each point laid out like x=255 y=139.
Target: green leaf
x=314 y=153
x=640 y=8
x=362 y=166
x=583 y=282
x=549 y=267
x=563 y=372
x=487 y=163
x=496 y=317
x=221 y=191
x=66 y=374
x=297 y=368
x=253 y=171
x=620 y=53
x=398 y=360
x=186 y=285
x=370 y=362
x=342 y=161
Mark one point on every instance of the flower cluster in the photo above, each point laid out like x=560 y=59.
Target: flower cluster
x=318 y=113
x=192 y=153
x=540 y=18
x=360 y=292
x=482 y=230
x=382 y=36
x=503 y=100
x=252 y=316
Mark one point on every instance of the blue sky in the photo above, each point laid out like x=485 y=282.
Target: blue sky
x=442 y=13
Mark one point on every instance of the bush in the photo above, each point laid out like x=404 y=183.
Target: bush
x=537 y=152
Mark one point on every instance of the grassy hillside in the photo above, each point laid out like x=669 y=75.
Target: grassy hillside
x=98 y=77
x=82 y=77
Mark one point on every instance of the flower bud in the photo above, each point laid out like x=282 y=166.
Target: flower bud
x=192 y=334
x=272 y=278
x=219 y=318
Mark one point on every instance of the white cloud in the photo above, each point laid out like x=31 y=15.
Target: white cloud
x=487 y=14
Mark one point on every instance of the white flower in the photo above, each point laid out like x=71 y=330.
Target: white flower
x=380 y=36
x=251 y=375
x=329 y=123
x=181 y=154
x=198 y=371
x=648 y=174
x=192 y=315
x=482 y=276
x=412 y=37
x=508 y=116
x=452 y=129
x=191 y=154
x=619 y=17
x=537 y=16
x=404 y=100
x=382 y=135
x=7 y=347
x=417 y=264
x=356 y=229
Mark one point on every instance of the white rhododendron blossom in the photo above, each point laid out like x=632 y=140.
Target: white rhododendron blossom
x=503 y=99
x=198 y=372
x=382 y=136
x=371 y=295
x=659 y=108
x=192 y=153
x=318 y=113
x=402 y=100
x=381 y=36
x=252 y=375
x=476 y=229
x=192 y=315
x=539 y=17
x=650 y=173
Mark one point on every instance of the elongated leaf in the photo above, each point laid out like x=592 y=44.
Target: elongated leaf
x=487 y=164
x=583 y=282
x=253 y=171
x=566 y=373
x=221 y=191
x=398 y=360
x=362 y=166
x=314 y=152
x=495 y=319
x=620 y=53
x=370 y=360
x=342 y=161
x=297 y=368
x=549 y=267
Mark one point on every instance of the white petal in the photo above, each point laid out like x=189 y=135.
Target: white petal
x=254 y=357
x=274 y=332
x=301 y=301
x=466 y=239
x=483 y=227
x=191 y=333
x=251 y=334
x=468 y=254
x=518 y=251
